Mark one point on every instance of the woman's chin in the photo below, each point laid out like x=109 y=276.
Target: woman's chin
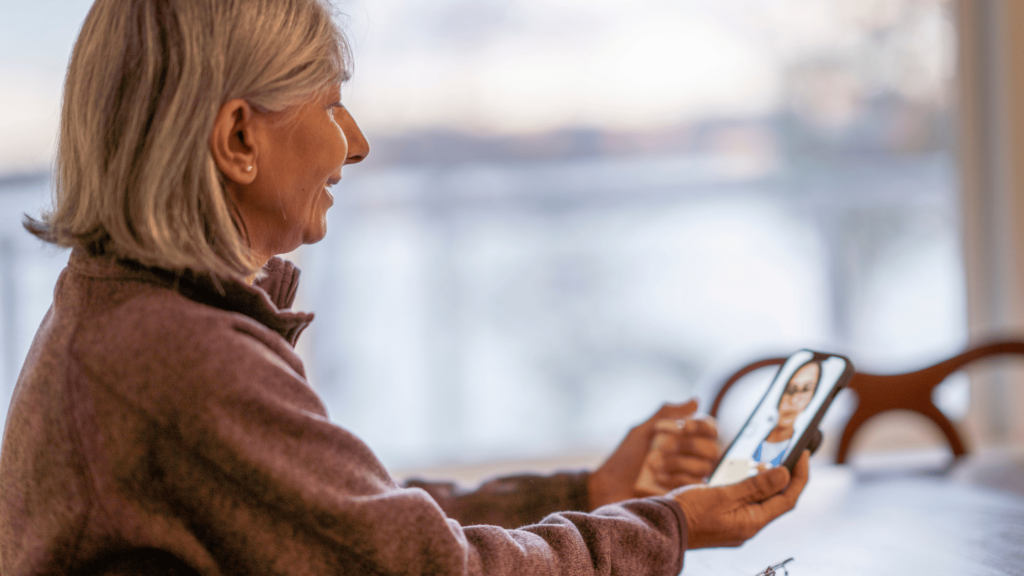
x=316 y=233
x=316 y=229
x=786 y=424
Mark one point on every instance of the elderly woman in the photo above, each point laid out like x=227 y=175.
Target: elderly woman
x=163 y=421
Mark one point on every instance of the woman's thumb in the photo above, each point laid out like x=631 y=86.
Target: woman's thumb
x=763 y=486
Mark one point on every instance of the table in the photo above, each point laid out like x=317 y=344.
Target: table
x=902 y=525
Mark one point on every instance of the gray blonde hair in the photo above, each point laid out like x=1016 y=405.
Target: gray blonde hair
x=134 y=175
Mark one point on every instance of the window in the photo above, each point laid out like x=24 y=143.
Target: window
x=574 y=211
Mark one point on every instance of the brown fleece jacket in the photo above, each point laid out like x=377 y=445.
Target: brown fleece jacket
x=172 y=413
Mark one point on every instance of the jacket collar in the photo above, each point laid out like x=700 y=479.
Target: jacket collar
x=268 y=301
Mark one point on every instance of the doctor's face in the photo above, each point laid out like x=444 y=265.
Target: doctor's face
x=798 y=393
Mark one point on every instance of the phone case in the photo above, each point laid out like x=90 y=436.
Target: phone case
x=810 y=437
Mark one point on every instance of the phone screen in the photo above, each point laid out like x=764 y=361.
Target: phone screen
x=803 y=387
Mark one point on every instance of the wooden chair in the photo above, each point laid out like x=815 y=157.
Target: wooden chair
x=910 y=391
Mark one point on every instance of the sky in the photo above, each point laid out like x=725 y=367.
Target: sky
x=497 y=66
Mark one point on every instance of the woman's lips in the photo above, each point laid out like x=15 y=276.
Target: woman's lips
x=327 y=187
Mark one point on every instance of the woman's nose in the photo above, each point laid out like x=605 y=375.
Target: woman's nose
x=358 y=147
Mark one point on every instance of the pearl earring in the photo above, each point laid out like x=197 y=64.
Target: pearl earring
x=248 y=168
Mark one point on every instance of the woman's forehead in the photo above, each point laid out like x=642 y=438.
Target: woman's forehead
x=805 y=372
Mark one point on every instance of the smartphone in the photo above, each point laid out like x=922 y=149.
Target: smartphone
x=786 y=419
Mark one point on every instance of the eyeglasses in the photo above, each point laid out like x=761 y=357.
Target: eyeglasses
x=794 y=389
x=770 y=571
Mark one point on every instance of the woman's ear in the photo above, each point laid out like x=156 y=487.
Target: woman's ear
x=233 y=143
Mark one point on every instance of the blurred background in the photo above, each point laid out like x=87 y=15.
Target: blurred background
x=574 y=211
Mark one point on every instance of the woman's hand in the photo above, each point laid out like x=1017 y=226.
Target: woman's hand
x=684 y=452
x=688 y=458
x=730 y=515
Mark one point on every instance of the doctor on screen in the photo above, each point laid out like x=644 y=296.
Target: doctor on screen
x=795 y=398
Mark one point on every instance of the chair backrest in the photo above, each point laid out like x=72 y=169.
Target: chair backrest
x=909 y=391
